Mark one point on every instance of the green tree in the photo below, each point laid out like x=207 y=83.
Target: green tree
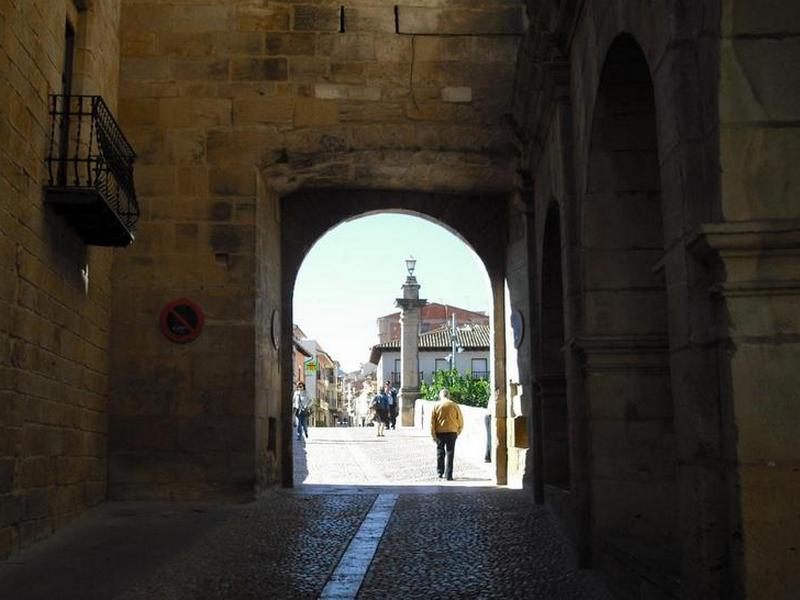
x=463 y=388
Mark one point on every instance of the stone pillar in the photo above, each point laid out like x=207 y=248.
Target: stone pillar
x=756 y=288
x=410 y=305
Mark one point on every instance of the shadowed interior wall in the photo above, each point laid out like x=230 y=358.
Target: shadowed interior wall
x=558 y=81
x=552 y=380
x=757 y=271
x=627 y=379
x=268 y=404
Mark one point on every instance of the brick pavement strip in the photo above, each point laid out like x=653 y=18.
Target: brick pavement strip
x=346 y=580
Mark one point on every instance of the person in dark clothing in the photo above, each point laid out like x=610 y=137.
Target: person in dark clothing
x=380 y=411
x=393 y=407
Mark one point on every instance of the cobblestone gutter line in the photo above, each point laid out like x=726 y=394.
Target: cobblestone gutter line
x=346 y=579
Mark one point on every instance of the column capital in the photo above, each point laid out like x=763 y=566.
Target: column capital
x=410 y=303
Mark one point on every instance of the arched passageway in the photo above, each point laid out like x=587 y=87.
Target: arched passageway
x=479 y=220
x=346 y=327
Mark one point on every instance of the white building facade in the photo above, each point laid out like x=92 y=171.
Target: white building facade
x=435 y=348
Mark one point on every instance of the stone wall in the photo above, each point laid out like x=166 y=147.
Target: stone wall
x=755 y=253
x=269 y=340
x=231 y=105
x=519 y=390
x=652 y=147
x=392 y=100
x=676 y=350
x=611 y=147
x=54 y=319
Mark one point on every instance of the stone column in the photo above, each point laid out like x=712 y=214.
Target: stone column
x=410 y=305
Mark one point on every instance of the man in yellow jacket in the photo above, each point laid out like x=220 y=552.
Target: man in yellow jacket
x=446 y=423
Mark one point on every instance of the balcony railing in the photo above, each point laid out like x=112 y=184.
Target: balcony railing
x=480 y=375
x=90 y=169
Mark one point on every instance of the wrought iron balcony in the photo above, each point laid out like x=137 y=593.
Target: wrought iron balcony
x=90 y=168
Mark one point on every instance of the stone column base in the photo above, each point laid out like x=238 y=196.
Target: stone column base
x=407 y=398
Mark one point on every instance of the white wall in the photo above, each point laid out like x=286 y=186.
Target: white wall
x=463 y=361
x=427 y=362
x=472 y=441
x=386 y=366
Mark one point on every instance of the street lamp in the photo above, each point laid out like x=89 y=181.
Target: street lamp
x=454 y=345
x=411 y=264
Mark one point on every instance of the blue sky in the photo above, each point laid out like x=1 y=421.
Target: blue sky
x=353 y=274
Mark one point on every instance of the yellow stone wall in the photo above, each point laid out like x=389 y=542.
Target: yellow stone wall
x=232 y=104
x=54 y=327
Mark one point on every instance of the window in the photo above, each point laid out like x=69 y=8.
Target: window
x=442 y=364
x=69 y=59
x=66 y=90
x=480 y=368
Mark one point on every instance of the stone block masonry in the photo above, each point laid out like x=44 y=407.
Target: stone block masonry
x=54 y=318
x=641 y=153
x=232 y=105
x=447 y=87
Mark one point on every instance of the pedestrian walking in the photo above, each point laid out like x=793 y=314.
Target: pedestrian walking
x=301 y=405
x=380 y=411
x=447 y=422
x=393 y=407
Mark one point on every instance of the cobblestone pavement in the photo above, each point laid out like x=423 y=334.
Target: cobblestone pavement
x=460 y=539
x=467 y=545
x=356 y=456
x=283 y=546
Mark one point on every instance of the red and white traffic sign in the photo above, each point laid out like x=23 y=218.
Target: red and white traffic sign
x=181 y=321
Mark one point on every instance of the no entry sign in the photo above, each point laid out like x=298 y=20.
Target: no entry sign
x=181 y=321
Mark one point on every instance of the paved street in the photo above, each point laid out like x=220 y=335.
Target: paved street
x=356 y=456
x=368 y=519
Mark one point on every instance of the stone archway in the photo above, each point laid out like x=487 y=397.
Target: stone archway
x=555 y=418
x=479 y=220
x=625 y=337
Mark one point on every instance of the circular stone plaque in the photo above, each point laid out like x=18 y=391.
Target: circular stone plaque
x=276 y=329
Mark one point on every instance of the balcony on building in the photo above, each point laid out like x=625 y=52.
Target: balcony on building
x=90 y=171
